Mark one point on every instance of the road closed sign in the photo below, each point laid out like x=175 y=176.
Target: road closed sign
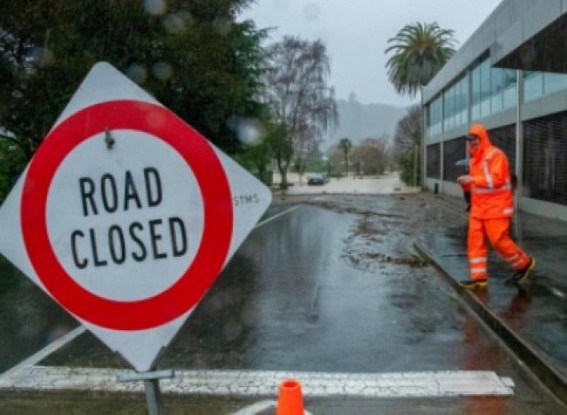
x=126 y=215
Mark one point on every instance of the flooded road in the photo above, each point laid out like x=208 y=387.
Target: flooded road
x=331 y=286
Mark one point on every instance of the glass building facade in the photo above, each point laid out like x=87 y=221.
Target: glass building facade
x=493 y=91
x=490 y=91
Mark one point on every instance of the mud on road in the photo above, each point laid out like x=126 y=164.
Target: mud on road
x=387 y=225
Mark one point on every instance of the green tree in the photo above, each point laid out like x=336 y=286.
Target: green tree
x=345 y=145
x=194 y=57
x=259 y=149
x=407 y=143
x=278 y=136
x=12 y=163
x=419 y=51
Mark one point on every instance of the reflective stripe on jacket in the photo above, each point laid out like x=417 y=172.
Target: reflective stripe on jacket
x=491 y=191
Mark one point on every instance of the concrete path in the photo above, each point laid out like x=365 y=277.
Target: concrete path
x=530 y=318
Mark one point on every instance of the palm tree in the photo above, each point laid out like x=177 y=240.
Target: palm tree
x=345 y=144
x=420 y=50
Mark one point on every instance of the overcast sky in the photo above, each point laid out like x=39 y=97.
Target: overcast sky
x=356 y=33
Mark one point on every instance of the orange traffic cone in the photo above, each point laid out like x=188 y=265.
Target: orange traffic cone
x=290 y=399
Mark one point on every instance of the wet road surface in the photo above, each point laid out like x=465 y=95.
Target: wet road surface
x=330 y=287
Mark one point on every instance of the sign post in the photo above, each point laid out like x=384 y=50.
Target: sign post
x=126 y=215
x=151 y=387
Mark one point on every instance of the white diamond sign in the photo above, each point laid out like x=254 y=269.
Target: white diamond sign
x=126 y=215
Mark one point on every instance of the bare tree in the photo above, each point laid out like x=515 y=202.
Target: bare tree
x=371 y=156
x=298 y=94
x=408 y=129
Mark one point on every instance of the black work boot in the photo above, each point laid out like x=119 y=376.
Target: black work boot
x=474 y=284
x=522 y=274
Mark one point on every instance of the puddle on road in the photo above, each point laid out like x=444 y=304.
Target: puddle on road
x=382 y=240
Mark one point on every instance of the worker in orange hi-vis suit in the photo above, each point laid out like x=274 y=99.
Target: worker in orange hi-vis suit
x=492 y=207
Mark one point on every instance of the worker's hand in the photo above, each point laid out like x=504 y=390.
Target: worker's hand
x=465 y=179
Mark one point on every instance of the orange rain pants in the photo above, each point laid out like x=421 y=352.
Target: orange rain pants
x=497 y=232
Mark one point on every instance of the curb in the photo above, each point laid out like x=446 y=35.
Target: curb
x=523 y=351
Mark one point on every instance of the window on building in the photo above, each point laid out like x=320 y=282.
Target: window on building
x=433 y=168
x=434 y=118
x=533 y=85
x=455 y=104
x=449 y=109
x=510 y=88
x=493 y=90
x=475 y=93
x=539 y=84
x=497 y=86
x=505 y=139
x=485 y=88
x=553 y=82
x=545 y=160
x=454 y=151
x=463 y=101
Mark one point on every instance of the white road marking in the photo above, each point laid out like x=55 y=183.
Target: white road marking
x=257 y=408
x=46 y=351
x=27 y=376
x=285 y=212
x=236 y=383
x=260 y=407
x=62 y=341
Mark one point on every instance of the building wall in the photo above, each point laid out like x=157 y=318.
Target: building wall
x=507 y=14
x=524 y=111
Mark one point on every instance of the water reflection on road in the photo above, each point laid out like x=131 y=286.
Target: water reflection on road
x=29 y=319
x=326 y=288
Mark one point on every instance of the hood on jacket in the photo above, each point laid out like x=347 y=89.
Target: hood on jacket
x=479 y=131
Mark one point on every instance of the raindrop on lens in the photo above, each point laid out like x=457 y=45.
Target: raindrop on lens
x=155 y=7
x=162 y=71
x=137 y=73
x=178 y=22
x=41 y=56
x=222 y=26
x=249 y=131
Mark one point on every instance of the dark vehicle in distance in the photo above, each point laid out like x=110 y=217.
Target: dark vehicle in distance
x=317 y=179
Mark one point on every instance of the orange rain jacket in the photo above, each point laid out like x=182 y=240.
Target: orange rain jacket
x=491 y=191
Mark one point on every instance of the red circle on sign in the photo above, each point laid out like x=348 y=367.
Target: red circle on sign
x=187 y=291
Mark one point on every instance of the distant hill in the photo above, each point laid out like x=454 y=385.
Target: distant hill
x=359 y=121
